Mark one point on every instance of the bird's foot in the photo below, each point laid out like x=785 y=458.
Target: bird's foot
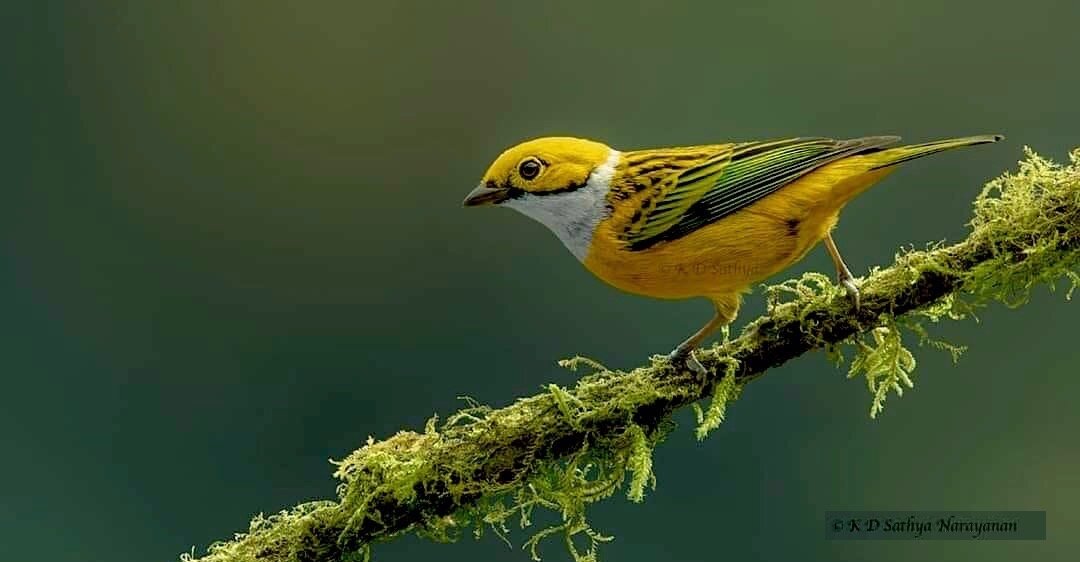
x=852 y=289
x=684 y=358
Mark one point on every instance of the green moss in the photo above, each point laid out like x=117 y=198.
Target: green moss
x=284 y=530
x=1026 y=212
x=726 y=390
x=564 y=488
x=486 y=469
x=1020 y=219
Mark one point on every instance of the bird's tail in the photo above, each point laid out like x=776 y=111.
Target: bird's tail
x=893 y=156
x=858 y=173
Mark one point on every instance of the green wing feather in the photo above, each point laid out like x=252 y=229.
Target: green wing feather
x=706 y=193
x=675 y=195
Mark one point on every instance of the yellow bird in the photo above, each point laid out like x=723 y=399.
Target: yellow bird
x=696 y=221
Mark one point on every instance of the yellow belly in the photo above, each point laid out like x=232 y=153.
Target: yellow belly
x=737 y=251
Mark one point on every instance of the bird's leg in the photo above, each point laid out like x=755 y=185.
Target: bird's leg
x=843 y=274
x=684 y=352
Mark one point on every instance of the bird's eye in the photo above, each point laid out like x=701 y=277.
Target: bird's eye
x=529 y=169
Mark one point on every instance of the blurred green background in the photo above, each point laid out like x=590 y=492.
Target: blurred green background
x=233 y=247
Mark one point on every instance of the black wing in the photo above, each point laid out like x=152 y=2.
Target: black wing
x=755 y=170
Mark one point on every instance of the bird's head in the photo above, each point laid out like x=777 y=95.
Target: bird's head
x=562 y=182
x=544 y=167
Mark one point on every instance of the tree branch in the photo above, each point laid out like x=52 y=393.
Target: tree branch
x=568 y=447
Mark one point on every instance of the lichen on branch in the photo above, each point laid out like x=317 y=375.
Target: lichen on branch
x=484 y=469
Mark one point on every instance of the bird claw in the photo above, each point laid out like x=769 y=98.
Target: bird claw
x=680 y=358
x=852 y=290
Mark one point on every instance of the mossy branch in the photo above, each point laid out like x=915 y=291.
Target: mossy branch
x=567 y=447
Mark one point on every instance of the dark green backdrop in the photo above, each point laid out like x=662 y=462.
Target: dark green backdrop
x=233 y=247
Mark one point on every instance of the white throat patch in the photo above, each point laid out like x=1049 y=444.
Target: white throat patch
x=573 y=215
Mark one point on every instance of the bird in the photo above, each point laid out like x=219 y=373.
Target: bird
x=696 y=221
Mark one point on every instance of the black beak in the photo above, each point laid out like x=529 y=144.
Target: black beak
x=484 y=195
